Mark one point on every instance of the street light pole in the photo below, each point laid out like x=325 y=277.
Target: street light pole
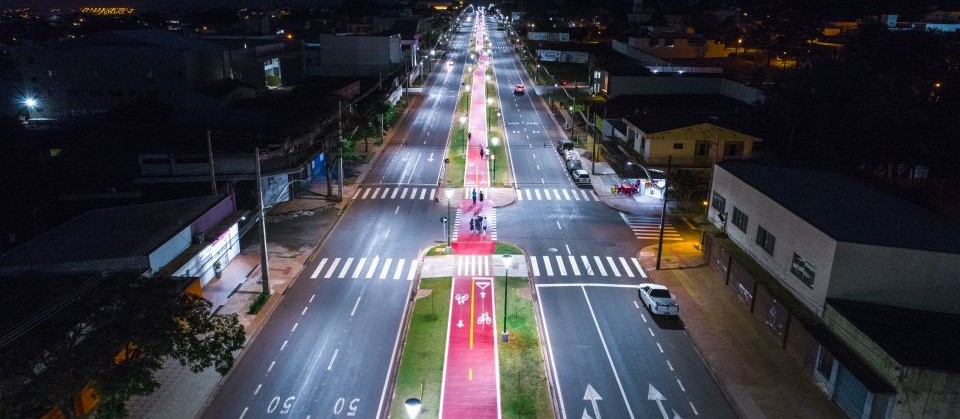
x=663 y=212
x=264 y=265
x=449 y=193
x=507 y=259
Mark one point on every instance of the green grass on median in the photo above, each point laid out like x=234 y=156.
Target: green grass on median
x=523 y=383
x=506 y=249
x=421 y=370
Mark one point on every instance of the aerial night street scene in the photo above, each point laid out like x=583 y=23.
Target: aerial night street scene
x=443 y=209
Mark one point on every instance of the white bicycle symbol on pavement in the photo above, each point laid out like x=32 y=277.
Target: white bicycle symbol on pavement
x=484 y=319
x=462 y=298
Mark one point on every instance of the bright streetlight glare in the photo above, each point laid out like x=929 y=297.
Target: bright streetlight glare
x=30 y=102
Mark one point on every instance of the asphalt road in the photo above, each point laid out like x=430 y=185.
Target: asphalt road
x=609 y=356
x=328 y=348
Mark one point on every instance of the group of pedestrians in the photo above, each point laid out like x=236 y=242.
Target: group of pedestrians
x=478 y=225
x=475 y=196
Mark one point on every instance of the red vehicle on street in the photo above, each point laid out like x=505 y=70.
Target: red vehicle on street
x=519 y=89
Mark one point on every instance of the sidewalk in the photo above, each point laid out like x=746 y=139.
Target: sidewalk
x=757 y=376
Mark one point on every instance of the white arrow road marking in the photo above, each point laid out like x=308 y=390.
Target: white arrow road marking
x=616 y=375
x=653 y=394
x=592 y=395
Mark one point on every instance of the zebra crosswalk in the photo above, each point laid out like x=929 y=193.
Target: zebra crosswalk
x=647 y=228
x=473 y=265
x=556 y=194
x=396 y=192
x=583 y=265
x=366 y=268
x=491 y=223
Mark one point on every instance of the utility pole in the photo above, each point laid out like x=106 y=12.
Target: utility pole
x=213 y=175
x=264 y=266
x=340 y=146
x=663 y=212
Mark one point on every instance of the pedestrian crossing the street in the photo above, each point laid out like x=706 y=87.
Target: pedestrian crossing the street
x=366 y=268
x=648 y=228
x=583 y=265
x=396 y=192
x=491 y=224
x=556 y=194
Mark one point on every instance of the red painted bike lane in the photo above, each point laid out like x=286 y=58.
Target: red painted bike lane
x=471 y=379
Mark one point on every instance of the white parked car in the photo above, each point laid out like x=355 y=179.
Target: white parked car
x=658 y=300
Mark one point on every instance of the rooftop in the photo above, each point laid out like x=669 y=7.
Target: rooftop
x=111 y=233
x=658 y=113
x=849 y=210
x=146 y=38
x=914 y=338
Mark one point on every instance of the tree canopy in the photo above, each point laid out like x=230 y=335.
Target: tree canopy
x=114 y=337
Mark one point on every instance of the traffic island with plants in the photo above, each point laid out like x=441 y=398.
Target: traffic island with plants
x=523 y=382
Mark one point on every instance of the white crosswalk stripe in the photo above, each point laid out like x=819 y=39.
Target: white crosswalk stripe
x=473 y=265
x=648 y=228
x=533 y=194
x=557 y=265
x=375 y=268
x=408 y=193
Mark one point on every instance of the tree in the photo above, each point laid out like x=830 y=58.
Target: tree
x=686 y=186
x=114 y=338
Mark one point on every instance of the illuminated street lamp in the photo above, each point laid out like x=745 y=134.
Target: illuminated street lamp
x=412 y=406
x=463 y=126
x=449 y=193
x=507 y=263
x=495 y=141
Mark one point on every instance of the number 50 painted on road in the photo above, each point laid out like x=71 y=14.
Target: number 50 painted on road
x=341 y=403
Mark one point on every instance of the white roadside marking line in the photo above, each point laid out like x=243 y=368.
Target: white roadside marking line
x=681 y=386
x=334 y=358
x=694 y=409
x=257 y=390
x=636 y=305
x=607 y=350
x=244 y=412
x=644 y=317
x=396 y=210
x=311 y=298
x=660 y=347
x=316 y=272
x=284 y=345
x=669 y=365
x=355 y=306
x=294 y=329
x=271 y=365
x=558 y=225
x=651 y=331
x=568 y=249
x=304 y=310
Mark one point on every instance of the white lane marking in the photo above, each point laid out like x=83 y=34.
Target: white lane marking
x=304 y=310
x=626 y=268
x=560 y=266
x=607 y=350
x=387 y=234
x=394 y=194
x=613 y=266
x=669 y=365
x=651 y=331
x=333 y=266
x=636 y=263
x=403 y=195
x=635 y=304
x=272 y=363
x=553 y=365
x=294 y=329
x=660 y=347
x=681 y=386
x=558 y=225
x=316 y=272
x=568 y=249
x=359 y=269
x=284 y=345
x=396 y=344
x=396 y=210
x=334 y=358
x=373 y=267
x=244 y=412
x=352 y=312
x=386 y=268
x=413 y=269
x=547 y=266
x=694 y=408
x=533 y=264
x=311 y=298
x=346 y=267
x=603 y=272
x=257 y=390
x=586 y=264
x=573 y=265
x=644 y=317
x=400 y=262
